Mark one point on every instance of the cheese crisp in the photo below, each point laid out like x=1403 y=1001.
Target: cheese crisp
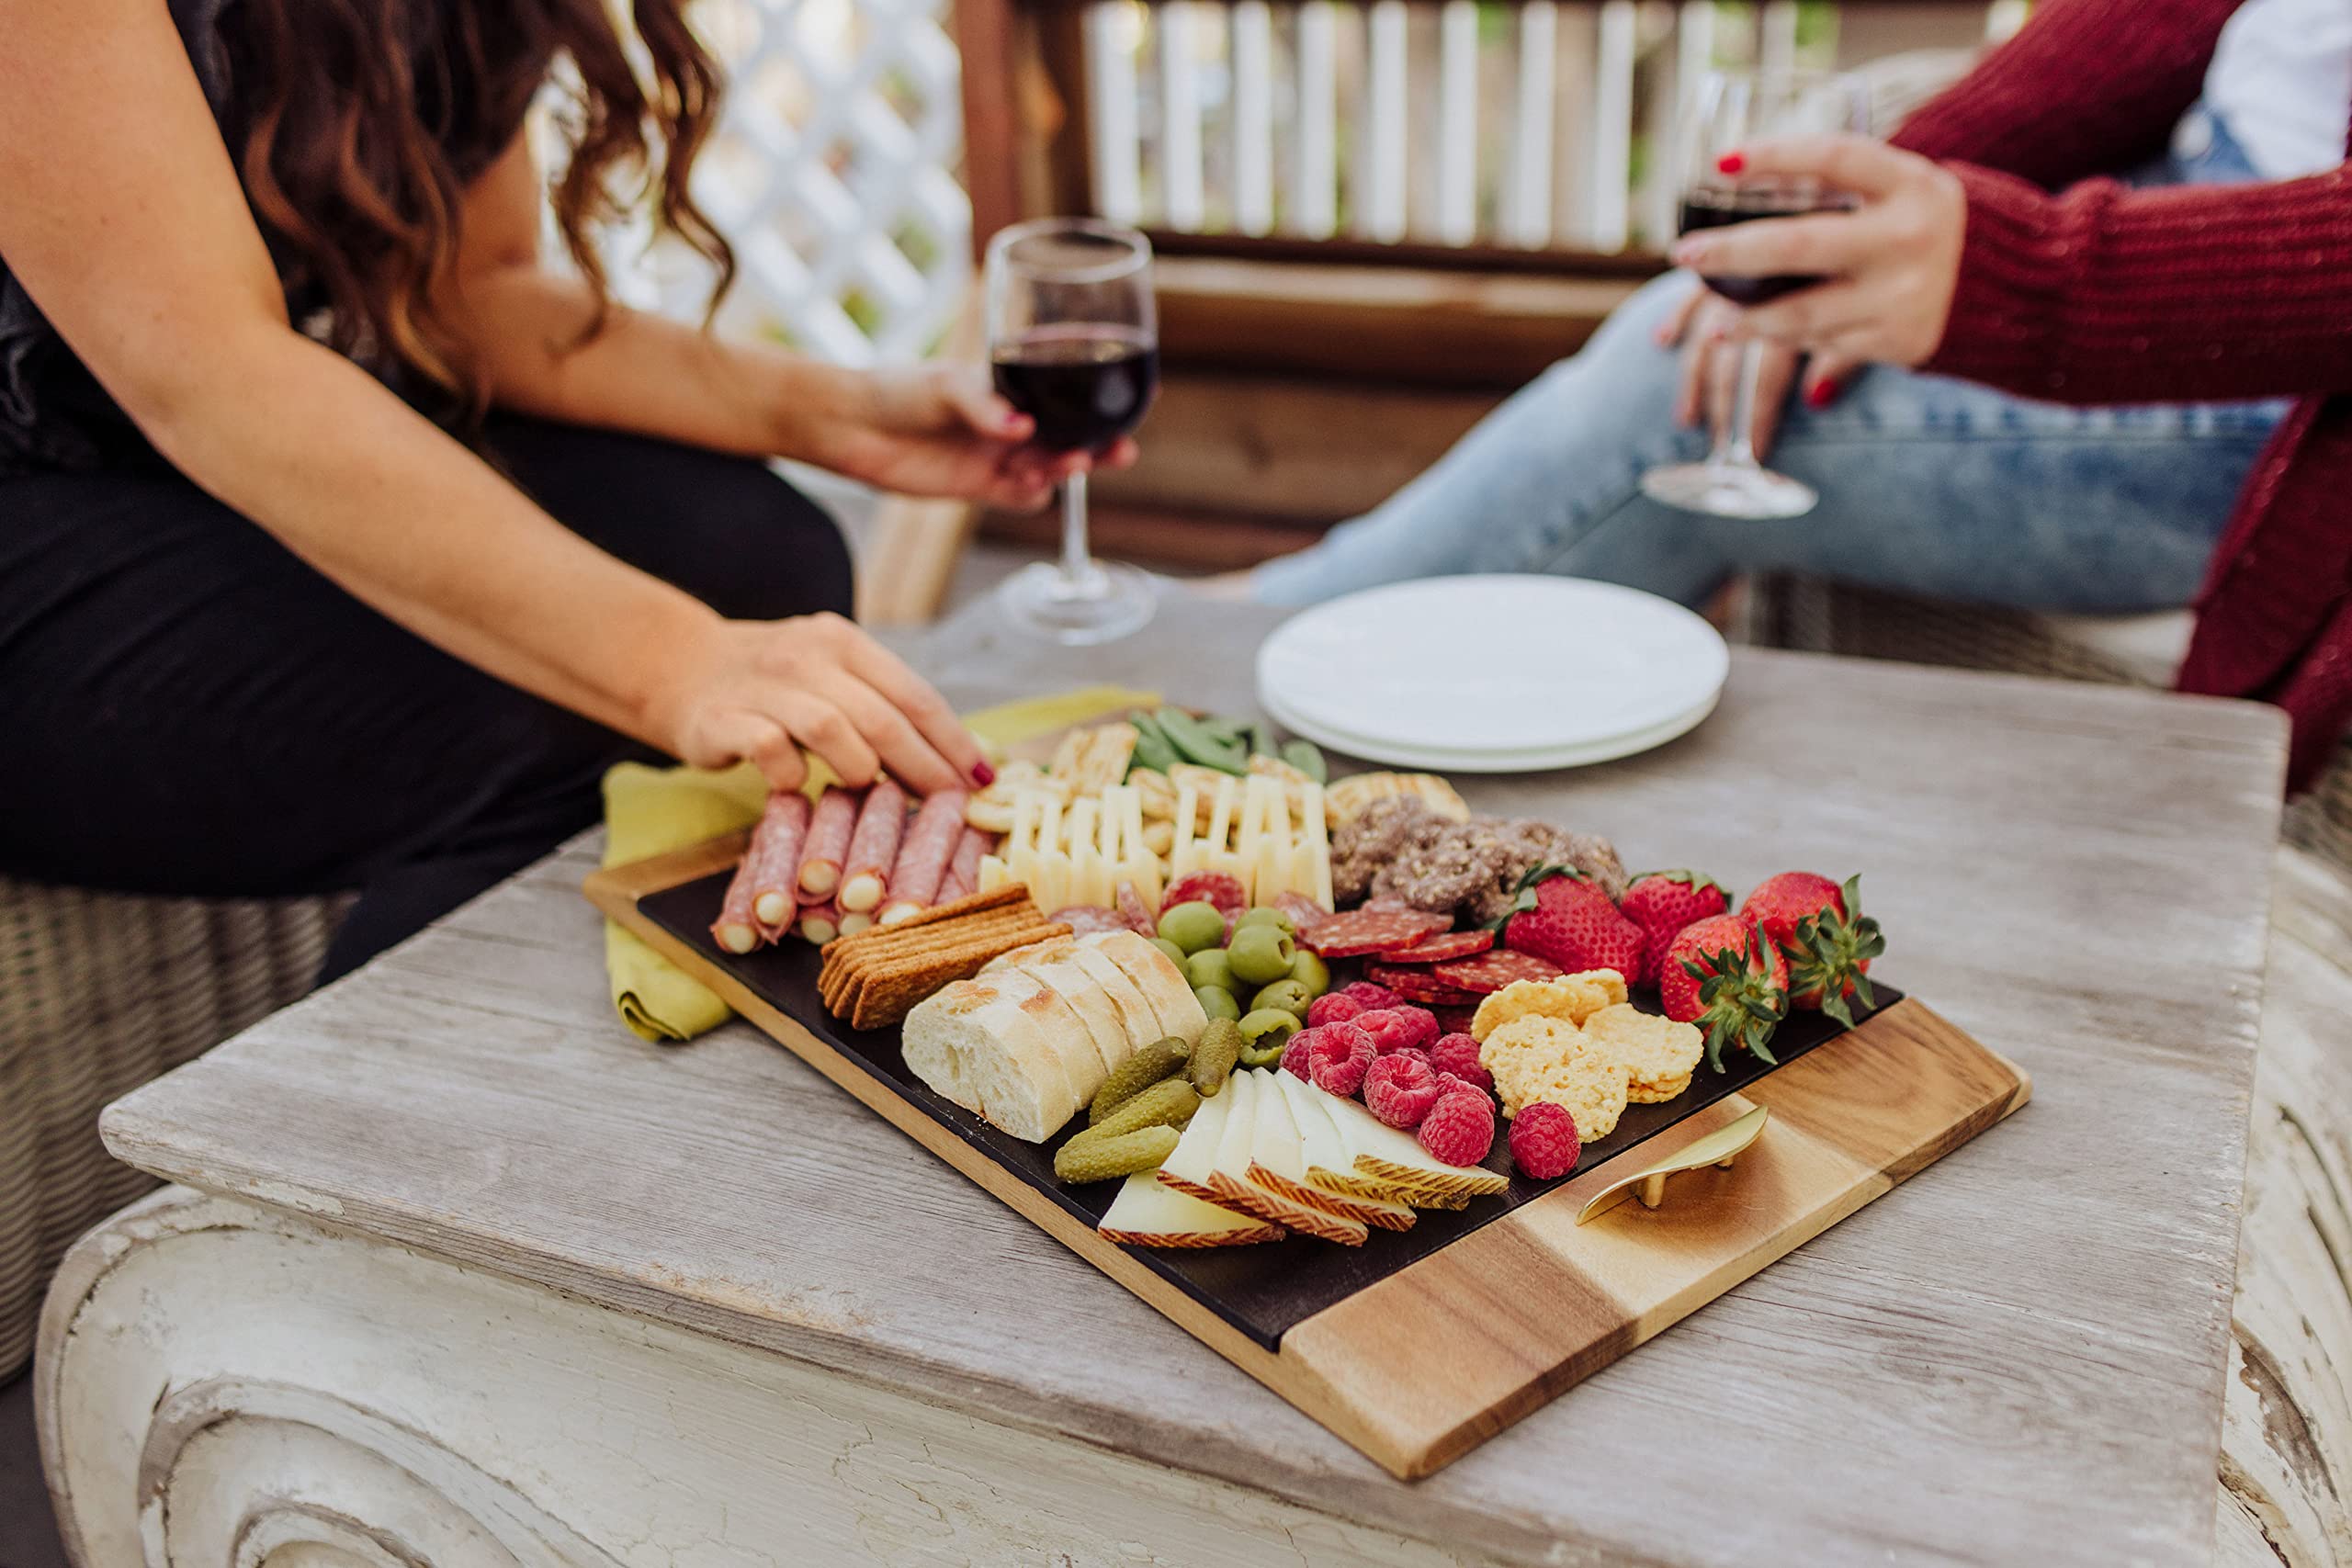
x=1659 y=1053
x=1570 y=999
x=1536 y=1058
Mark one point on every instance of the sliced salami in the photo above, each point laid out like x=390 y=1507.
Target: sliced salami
x=1304 y=912
x=1357 y=932
x=923 y=856
x=1132 y=911
x=1493 y=971
x=1442 y=947
x=1420 y=986
x=1089 y=920
x=1207 y=887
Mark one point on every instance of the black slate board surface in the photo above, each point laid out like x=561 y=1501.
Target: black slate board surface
x=1260 y=1290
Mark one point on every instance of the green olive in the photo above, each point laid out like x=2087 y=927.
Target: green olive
x=1210 y=967
x=1310 y=971
x=1175 y=954
x=1264 y=916
x=1193 y=926
x=1261 y=954
x=1264 y=1032
x=1216 y=1001
x=1291 y=995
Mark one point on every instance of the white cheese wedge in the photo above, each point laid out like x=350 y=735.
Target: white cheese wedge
x=1396 y=1161
x=1189 y=1167
x=1260 y=1138
x=1150 y=1213
x=1320 y=1150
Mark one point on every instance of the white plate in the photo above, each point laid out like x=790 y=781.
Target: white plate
x=1517 y=667
x=1532 y=762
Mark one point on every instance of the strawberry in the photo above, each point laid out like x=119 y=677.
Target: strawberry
x=1828 y=941
x=1561 y=915
x=1662 y=903
x=1721 y=975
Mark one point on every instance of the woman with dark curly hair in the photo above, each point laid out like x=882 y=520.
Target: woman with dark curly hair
x=341 y=542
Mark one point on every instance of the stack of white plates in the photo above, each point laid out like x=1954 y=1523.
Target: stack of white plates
x=1493 y=674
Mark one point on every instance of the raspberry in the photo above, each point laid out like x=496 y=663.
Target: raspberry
x=1294 y=1058
x=1544 y=1140
x=1333 y=1009
x=1418 y=1055
x=1400 y=1089
x=1460 y=1128
x=1390 y=1028
x=1424 y=1022
x=1337 y=1059
x=1370 y=994
x=1458 y=1055
x=1448 y=1084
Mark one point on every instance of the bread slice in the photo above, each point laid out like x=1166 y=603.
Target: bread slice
x=1161 y=983
x=1125 y=997
x=1105 y=1028
x=990 y=1044
x=1150 y=1213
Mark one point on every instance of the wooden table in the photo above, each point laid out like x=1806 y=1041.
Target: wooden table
x=459 y=1268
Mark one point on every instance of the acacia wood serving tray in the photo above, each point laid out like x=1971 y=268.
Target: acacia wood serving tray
x=1529 y=1301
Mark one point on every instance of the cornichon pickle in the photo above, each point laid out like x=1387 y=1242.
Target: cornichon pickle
x=1088 y=1158
x=1214 y=1058
x=1140 y=1072
x=1168 y=1103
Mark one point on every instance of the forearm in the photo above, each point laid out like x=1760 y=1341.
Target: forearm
x=646 y=374
x=407 y=520
x=2102 y=294
x=2085 y=87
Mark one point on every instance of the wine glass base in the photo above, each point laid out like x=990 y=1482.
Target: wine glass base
x=1730 y=489
x=1102 y=604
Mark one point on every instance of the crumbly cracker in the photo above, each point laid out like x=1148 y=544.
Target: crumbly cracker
x=1659 y=1053
x=1345 y=798
x=1104 y=755
x=1571 y=998
x=1537 y=1058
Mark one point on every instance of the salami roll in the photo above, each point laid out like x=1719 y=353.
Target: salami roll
x=773 y=862
x=828 y=831
x=873 y=847
x=850 y=924
x=819 y=923
x=964 y=867
x=923 y=856
x=737 y=930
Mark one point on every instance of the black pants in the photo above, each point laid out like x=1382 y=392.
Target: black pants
x=188 y=708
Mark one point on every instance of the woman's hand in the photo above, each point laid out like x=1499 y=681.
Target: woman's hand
x=940 y=429
x=1702 y=326
x=1892 y=263
x=761 y=690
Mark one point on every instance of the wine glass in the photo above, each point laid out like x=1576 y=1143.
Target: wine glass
x=1073 y=337
x=1727 y=109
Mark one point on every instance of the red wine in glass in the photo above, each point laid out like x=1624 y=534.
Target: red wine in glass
x=1086 y=384
x=1714 y=207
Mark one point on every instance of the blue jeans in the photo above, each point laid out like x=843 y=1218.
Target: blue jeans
x=1927 y=484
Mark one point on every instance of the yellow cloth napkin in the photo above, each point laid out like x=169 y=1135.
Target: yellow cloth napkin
x=651 y=811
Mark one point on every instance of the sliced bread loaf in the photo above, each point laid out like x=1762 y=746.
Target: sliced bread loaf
x=1001 y=1045
x=1161 y=983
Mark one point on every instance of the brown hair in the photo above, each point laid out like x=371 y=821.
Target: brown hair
x=360 y=121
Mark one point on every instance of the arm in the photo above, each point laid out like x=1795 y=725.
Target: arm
x=2085 y=87
x=937 y=429
x=131 y=232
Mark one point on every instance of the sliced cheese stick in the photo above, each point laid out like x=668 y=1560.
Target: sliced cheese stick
x=829 y=833
x=873 y=846
x=1150 y=1213
x=923 y=854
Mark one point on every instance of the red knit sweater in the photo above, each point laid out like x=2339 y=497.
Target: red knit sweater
x=2101 y=294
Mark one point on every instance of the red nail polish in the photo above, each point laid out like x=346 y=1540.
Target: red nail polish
x=983 y=776
x=1820 y=394
x=1730 y=163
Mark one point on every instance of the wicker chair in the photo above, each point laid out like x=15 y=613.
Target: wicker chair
x=100 y=992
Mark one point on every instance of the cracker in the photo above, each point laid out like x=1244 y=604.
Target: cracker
x=1537 y=1058
x=887 y=993
x=1659 y=1053
x=1571 y=998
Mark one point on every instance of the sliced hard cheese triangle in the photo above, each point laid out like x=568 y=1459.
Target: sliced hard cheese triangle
x=1187 y=1169
x=1150 y=1213
x=1319 y=1147
x=1262 y=1137
x=1396 y=1160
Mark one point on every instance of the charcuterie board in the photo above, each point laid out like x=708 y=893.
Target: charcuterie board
x=1528 y=1299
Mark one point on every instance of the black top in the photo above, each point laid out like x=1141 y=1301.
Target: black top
x=53 y=414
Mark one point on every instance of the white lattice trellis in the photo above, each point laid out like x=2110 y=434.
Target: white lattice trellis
x=833 y=172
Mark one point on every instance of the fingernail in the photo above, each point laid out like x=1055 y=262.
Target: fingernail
x=983 y=776
x=1731 y=163
x=1820 y=394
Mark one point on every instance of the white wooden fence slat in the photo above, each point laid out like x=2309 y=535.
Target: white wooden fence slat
x=1527 y=198
x=1776 y=47
x=1253 y=116
x=1458 y=122
x=1314 y=195
x=1116 y=148
x=1179 y=112
x=1609 y=223
x=1382 y=203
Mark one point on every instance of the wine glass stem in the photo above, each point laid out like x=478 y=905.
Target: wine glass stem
x=1077 y=565
x=1740 y=448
